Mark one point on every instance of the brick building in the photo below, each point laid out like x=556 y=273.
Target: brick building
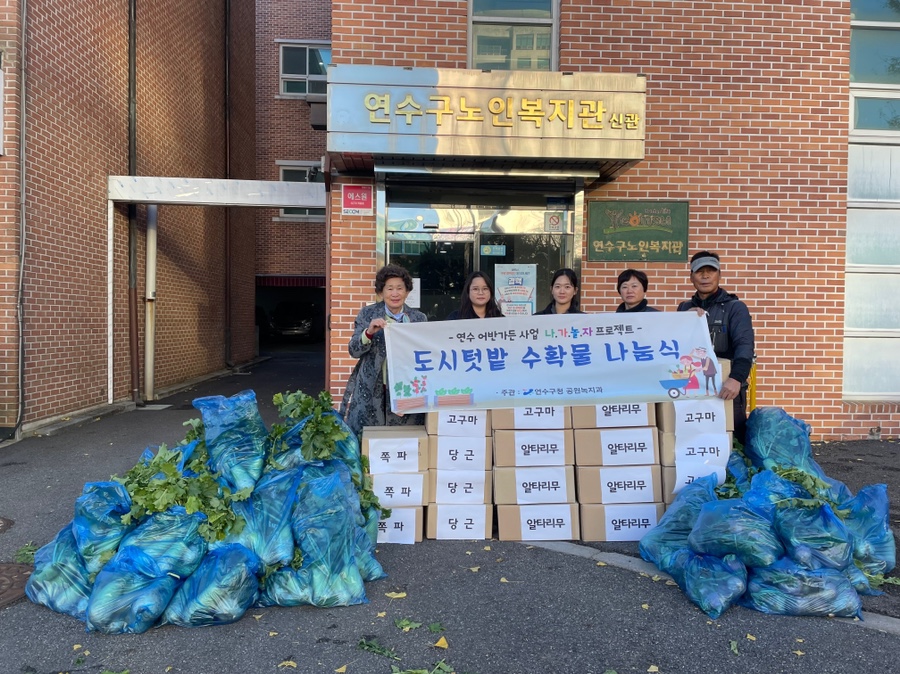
x=775 y=124
x=67 y=127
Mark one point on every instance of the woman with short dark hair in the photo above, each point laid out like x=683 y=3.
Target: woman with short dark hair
x=632 y=285
x=366 y=401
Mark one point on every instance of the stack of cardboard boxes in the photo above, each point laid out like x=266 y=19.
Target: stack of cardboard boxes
x=695 y=439
x=595 y=473
x=618 y=472
x=398 y=463
x=459 y=475
x=534 y=474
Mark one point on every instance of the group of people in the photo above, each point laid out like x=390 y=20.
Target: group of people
x=366 y=401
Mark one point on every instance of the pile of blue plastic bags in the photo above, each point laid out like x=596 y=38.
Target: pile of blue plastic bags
x=162 y=571
x=789 y=540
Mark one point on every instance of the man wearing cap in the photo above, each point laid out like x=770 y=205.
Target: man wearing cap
x=730 y=330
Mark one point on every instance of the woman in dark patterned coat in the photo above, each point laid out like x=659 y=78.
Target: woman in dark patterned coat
x=366 y=402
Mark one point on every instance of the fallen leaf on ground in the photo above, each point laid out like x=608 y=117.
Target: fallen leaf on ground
x=487 y=547
x=734 y=648
x=273 y=634
x=76 y=647
x=671 y=582
x=341 y=670
x=258 y=616
x=799 y=641
x=287 y=663
x=646 y=607
x=655 y=578
x=652 y=668
x=503 y=580
x=602 y=564
x=395 y=595
x=474 y=569
x=441 y=643
x=751 y=637
x=381 y=615
x=798 y=652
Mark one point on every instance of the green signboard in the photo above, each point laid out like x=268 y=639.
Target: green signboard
x=640 y=231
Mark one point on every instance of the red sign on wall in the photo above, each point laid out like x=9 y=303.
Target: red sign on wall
x=356 y=200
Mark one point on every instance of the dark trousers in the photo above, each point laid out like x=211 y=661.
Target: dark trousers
x=740 y=416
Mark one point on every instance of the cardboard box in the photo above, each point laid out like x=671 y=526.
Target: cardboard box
x=616 y=446
x=619 y=484
x=459 y=423
x=534 y=417
x=614 y=415
x=667 y=423
x=621 y=522
x=534 y=447
x=460 y=453
x=550 y=522
x=395 y=449
x=451 y=521
x=667 y=443
x=460 y=486
x=404 y=526
x=539 y=484
x=401 y=490
x=670 y=478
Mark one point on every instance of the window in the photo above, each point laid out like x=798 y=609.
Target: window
x=872 y=266
x=507 y=34
x=304 y=68
x=303 y=172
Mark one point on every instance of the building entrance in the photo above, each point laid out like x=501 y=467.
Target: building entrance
x=442 y=243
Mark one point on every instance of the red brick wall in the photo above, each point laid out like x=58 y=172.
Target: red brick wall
x=417 y=33
x=9 y=215
x=77 y=124
x=284 y=134
x=76 y=136
x=746 y=120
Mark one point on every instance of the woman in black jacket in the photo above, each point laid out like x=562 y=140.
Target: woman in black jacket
x=564 y=289
x=632 y=284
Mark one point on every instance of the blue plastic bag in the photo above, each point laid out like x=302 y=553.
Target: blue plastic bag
x=130 y=593
x=814 y=537
x=60 y=580
x=236 y=438
x=873 y=540
x=714 y=583
x=267 y=518
x=775 y=438
x=97 y=525
x=661 y=544
x=325 y=530
x=739 y=470
x=730 y=527
x=219 y=592
x=788 y=589
x=767 y=489
x=171 y=539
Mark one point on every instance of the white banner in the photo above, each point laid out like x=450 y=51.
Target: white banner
x=568 y=359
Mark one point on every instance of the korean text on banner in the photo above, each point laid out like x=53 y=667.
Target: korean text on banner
x=568 y=359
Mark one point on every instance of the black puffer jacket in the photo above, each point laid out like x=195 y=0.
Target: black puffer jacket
x=549 y=309
x=730 y=329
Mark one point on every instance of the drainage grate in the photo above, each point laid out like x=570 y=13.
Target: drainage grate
x=5 y=524
x=12 y=582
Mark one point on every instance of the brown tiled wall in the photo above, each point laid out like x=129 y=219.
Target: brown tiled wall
x=746 y=120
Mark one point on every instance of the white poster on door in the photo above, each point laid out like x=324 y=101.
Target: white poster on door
x=516 y=285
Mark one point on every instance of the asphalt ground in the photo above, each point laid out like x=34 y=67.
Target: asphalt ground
x=502 y=607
